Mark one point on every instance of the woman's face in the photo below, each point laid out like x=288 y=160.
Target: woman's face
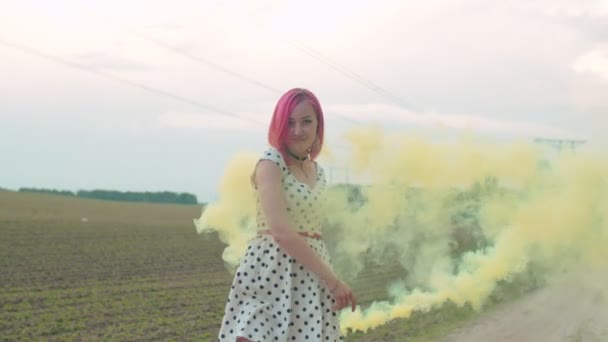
x=302 y=126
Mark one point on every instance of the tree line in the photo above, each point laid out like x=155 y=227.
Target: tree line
x=128 y=196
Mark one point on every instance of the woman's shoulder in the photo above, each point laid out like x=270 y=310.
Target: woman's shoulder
x=274 y=155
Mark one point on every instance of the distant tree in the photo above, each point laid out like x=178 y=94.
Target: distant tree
x=48 y=191
x=113 y=195
x=130 y=196
x=185 y=198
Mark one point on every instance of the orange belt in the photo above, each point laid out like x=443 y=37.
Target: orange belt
x=313 y=235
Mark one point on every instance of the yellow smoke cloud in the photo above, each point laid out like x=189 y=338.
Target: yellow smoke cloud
x=459 y=216
x=556 y=217
x=233 y=216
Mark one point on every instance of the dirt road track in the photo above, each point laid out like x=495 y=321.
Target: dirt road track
x=565 y=311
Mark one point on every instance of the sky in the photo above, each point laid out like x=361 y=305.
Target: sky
x=159 y=96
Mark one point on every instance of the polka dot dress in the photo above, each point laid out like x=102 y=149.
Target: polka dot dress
x=273 y=297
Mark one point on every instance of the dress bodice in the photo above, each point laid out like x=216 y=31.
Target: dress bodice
x=304 y=204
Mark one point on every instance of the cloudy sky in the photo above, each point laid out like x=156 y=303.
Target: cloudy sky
x=158 y=95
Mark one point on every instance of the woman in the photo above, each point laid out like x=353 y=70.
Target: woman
x=284 y=288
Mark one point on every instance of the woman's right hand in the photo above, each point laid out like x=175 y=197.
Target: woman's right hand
x=343 y=296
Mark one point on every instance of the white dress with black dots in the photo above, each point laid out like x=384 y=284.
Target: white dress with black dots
x=273 y=297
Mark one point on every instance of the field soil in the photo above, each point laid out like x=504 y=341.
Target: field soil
x=572 y=309
x=79 y=269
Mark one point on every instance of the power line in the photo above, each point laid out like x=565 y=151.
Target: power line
x=351 y=74
x=219 y=67
x=205 y=61
x=184 y=53
x=356 y=77
x=71 y=64
x=309 y=51
x=560 y=144
x=112 y=77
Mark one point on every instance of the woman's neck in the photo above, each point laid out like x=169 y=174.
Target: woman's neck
x=296 y=157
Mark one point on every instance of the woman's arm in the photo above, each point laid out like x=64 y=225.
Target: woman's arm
x=272 y=198
x=268 y=181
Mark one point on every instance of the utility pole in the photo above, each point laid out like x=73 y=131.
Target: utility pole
x=560 y=144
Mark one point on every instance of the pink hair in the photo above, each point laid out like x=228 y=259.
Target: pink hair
x=279 y=127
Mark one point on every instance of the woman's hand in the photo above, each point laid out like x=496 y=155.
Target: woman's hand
x=343 y=296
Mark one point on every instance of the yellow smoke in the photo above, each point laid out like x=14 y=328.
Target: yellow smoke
x=233 y=215
x=501 y=207
x=554 y=216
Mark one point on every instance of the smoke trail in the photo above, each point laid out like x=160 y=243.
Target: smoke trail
x=458 y=216
x=233 y=216
x=526 y=212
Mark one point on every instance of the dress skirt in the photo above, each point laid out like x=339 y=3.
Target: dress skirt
x=275 y=298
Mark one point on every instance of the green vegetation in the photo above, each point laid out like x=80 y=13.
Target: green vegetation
x=129 y=196
x=90 y=270
x=76 y=269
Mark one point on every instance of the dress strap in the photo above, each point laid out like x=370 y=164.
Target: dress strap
x=274 y=155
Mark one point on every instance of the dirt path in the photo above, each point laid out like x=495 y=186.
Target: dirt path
x=565 y=311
